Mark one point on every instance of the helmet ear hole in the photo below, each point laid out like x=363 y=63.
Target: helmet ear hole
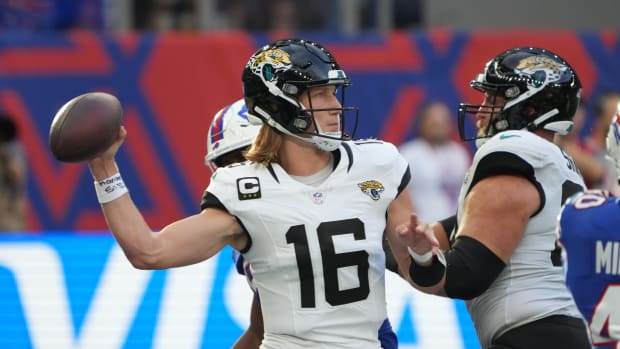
x=301 y=123
x=501 y=125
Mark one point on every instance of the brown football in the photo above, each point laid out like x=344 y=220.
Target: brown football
x=85 y=126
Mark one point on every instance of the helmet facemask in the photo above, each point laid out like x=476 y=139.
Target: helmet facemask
x=489 y=118
x=326 y=140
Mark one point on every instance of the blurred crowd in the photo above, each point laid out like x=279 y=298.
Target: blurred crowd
x=13 y=176
x=586 y=143
x=46 y=15
x=157 y=15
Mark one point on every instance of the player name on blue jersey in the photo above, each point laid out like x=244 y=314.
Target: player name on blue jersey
x=607 y=257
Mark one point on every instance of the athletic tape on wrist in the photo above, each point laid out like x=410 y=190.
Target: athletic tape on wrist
x=420 y=258
x=110 y=188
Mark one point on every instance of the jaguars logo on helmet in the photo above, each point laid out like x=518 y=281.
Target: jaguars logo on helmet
x=543 y=69
x=268 y=62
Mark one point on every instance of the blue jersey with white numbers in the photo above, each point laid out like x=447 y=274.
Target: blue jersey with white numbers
x=590 y=234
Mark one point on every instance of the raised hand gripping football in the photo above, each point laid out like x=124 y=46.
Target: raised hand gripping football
x=85 y=126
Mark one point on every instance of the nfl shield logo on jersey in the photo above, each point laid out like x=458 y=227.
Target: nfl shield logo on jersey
x=248 y=188
x=318 y=197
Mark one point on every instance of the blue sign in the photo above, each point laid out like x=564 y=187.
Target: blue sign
x=76 y=291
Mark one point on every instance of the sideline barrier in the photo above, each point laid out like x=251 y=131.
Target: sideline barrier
x=67 y=291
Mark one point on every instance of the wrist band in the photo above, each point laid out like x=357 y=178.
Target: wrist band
x=427 y=276
x=420 y=258
x=110 y=188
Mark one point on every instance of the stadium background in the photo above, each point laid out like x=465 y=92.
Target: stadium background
x=64 y=284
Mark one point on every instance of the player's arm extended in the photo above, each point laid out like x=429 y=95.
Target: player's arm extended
x=187 y=241
x=399 y=212
x=496 y=212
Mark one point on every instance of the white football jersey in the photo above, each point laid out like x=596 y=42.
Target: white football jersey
x=316 y=251
x=530 y=287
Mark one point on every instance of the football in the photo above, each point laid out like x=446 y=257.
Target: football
x=85 y=126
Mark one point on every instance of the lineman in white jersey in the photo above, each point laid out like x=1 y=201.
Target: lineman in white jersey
x=308 y=210
x=500 y=250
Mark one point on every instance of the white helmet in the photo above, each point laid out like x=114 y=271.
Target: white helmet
x=230 y=130
x=613 y=141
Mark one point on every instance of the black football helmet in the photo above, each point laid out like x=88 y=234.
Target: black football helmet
x=542 y=91
x=278 y=73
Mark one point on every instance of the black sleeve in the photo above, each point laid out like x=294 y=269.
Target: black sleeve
x=390 y=261
x=505 y=163
x=404 y=181
x=470 y=268
x=211 y=201
x=569 y=189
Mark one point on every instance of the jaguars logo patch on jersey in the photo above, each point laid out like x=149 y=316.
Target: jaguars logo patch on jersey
x=372 y=188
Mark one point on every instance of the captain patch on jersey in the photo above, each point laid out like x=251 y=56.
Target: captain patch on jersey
x=248 y=188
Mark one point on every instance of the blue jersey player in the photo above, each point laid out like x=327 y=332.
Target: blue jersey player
x=590 y=234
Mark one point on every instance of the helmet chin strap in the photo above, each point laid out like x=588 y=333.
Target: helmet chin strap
x=324 y=143
x=560 y=127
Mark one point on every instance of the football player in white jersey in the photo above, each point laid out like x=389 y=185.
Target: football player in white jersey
x=308 y=210
x=229 y=137
x=499 y=251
